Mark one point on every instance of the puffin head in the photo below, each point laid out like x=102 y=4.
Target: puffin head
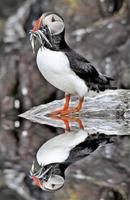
x=44 y=178
x=47 y=25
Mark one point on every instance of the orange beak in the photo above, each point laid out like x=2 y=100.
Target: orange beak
x=36 y=181
x=39 y=34
x=37 y=24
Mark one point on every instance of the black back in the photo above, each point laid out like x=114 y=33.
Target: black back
x=80 y=65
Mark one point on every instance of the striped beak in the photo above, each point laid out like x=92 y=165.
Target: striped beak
x=37 y=34
x=40 y=36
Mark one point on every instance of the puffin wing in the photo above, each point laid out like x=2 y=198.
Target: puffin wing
x=86 y=71
x=57 y=149
x=81 y=66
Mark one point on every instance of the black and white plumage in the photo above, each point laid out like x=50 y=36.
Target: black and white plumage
x=60 y=65
x=58 y=153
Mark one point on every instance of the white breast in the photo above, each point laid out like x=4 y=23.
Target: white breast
x=57 y=149
x=55 y=67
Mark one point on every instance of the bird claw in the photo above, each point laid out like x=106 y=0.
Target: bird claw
x=63 y=112
x=57 y=112
x=67 y=119
x=67 y=112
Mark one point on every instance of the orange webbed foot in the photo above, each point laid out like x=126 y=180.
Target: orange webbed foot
x=57 y=112
x=64 y=119
x=69 y=111
x=73 y=110
x=66 y=110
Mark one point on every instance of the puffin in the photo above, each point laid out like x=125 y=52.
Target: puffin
x=60 y=65
x=57 y=154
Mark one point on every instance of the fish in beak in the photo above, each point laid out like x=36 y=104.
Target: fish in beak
x=39 y=171
x=37 y=34
x=32 y=40
x=39 y=176
x=45 y=179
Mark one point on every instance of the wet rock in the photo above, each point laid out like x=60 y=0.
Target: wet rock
x=111 y=105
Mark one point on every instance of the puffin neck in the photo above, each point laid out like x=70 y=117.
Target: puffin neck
x=59 y=169
x=58 y=42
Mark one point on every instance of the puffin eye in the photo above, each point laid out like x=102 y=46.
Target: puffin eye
x=45 y=178
x=54 y=23
x=53 y=19
x=53 y=185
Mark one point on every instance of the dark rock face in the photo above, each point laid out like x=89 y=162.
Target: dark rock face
x=8 y=8
x=7 y=193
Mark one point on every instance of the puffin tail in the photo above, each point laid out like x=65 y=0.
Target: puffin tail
x=103 y=79
x=101 y=83
x=104 y=82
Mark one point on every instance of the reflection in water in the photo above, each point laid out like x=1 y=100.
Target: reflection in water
x=66 y=120
x=58 y=153
x=109 y=163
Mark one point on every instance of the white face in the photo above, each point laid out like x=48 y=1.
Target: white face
x=54 y=23
x=55 y=182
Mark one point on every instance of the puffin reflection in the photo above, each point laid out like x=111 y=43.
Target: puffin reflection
x=55 y=156
x=67 y=119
